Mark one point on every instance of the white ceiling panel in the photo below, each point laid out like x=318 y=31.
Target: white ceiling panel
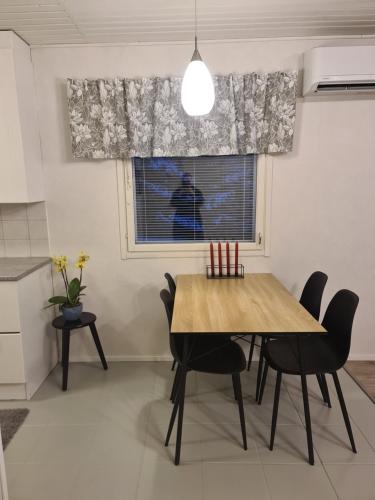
x=96 y=21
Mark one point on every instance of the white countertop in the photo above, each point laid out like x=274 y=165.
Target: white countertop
x=15 y=268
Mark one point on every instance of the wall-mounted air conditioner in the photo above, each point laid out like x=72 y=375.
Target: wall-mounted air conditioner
x=331 y=70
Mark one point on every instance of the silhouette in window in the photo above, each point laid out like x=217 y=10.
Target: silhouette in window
x=187 y=220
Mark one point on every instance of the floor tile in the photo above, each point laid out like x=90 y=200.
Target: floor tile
x=115 y=444
x=110 y=481
x=333 y=445
x=23 y=443
x=223 y=443
x=219 y=442
x=190 y=449
x=69 y=444
x=195 y=412
x=234 y=481
x=362 y=413
x=296 y=482
x=353 y=481
x=287 y=414
x=162 y=480
x=41 y=481
x=290 y=446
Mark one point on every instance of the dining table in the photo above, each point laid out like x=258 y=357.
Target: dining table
x=254 y=304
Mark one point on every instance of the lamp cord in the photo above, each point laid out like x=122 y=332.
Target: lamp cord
x=195 y=25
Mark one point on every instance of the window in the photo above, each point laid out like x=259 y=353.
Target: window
x=180 y=204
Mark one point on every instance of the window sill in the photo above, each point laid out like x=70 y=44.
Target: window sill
x=183 y=254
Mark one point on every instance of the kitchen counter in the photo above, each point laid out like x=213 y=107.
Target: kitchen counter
x=15 y=268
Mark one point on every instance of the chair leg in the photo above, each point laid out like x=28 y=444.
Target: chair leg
x=275 y=409
x=173 y=418
x=263 y=384
x=234 y=387
x=181 y=401
x=175 y=384
x=321 y=387
x=344 y=410
x=237 y=384
x=307 y=418
x=173 y=365
x=324 y=383
x=260 y=369
x=251 y=352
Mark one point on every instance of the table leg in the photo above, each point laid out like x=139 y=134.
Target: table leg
x=305 y=402
x=95 y=336
x=65 y=340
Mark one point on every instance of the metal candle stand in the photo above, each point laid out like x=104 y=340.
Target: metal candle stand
x=224 y=275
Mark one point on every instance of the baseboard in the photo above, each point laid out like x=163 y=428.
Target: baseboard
x=361 y=357
x=113 y=358
x=167 y=357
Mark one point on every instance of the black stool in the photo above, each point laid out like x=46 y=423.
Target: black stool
x=86 y=319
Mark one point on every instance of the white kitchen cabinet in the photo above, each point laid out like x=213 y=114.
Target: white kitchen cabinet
x=28 y=349
x=3 y=478
x=21 y=175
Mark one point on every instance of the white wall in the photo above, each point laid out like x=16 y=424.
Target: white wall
x=323 y=207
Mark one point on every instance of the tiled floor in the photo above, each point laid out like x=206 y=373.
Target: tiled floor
x=103 y=439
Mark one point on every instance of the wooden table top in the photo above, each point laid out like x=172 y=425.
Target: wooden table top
x=258 y=303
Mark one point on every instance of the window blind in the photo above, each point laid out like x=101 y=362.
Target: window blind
x=195 y=199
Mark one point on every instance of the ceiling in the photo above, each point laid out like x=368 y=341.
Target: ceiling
x=111 y=21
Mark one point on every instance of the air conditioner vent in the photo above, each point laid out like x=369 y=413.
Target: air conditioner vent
x=326 y=87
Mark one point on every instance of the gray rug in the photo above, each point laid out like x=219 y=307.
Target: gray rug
x=10 y=422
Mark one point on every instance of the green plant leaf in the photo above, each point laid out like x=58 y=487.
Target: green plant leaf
x=58 y=299
x=73 y=290
x=82 y=288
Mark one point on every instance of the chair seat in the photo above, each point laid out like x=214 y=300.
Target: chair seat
x=318 y=355
x=216 y=355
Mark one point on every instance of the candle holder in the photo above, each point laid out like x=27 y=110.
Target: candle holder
x=225 y=276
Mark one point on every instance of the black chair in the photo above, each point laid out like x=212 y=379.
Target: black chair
x=172 y=289
x=311 y=300
x=206 y=355
x=171 y=284
x=320 y=355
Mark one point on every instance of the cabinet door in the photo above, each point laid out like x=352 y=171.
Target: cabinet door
x=9 y=317
x=13 y=184
x=11 y=359
x=3 y=478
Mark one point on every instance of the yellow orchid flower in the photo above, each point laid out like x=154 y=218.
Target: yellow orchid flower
x=81 y=260
x=60 y=263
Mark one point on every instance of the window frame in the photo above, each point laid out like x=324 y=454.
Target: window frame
x=131 y=249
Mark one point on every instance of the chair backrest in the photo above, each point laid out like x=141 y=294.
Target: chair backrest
x=312 y=294
x=168 y=304
x=171 y=284
x=175 y=342
x=338 y=321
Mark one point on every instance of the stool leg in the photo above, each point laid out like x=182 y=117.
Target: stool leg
x=95 y=336
x=65 y=339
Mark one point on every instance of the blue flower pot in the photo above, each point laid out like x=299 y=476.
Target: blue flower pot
x=72 y=313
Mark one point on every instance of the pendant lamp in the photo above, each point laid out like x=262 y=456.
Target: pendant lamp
x=197 y=91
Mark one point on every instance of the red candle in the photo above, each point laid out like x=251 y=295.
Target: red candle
x=228 y=259
x=220 y=263
x=212 y=259
x=236 y=259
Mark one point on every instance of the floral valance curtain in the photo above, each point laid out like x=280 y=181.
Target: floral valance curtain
x=118 y=118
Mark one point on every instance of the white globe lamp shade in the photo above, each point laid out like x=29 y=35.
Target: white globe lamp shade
x=197 y=91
